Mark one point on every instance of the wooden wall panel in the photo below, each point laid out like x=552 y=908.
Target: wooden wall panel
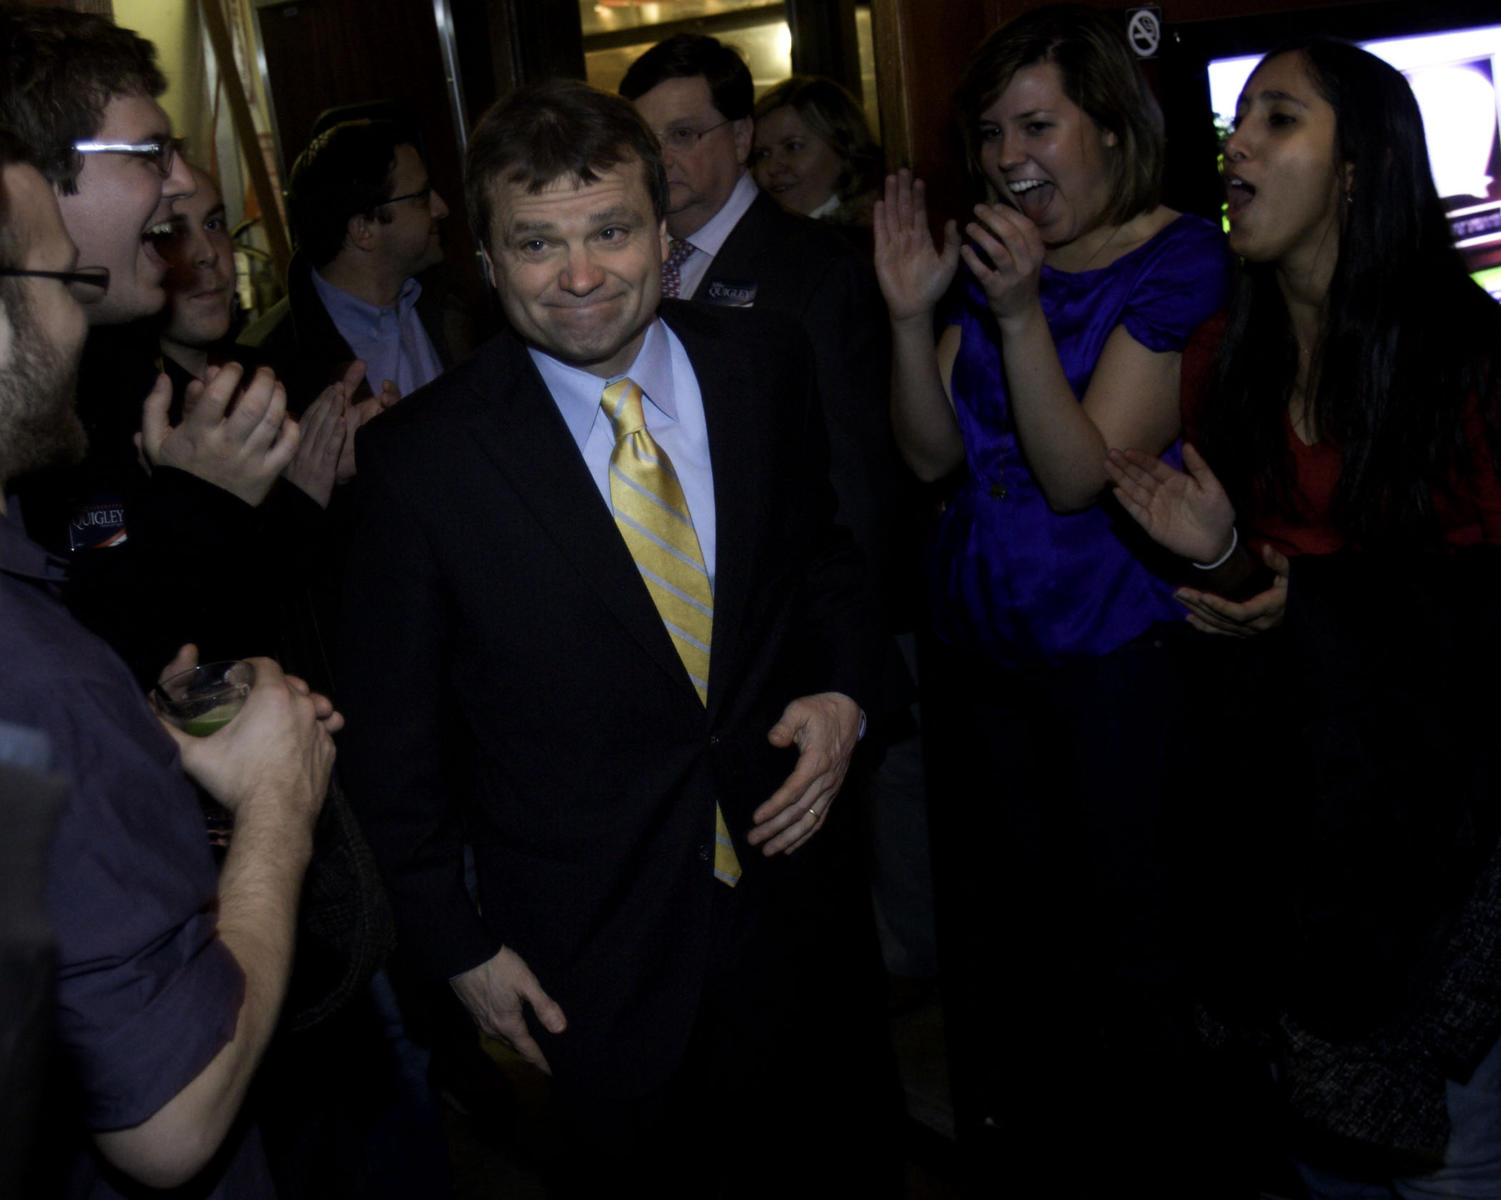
x=918 y=60
x=322 y=53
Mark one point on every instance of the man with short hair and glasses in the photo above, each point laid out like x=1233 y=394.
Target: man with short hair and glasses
x=141 y=546
x=366 y=223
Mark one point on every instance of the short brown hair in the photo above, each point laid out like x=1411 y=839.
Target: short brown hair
x=346 y=171
x=686 y=55
x=61 y=69
x=1099 y=74
x=563 y=129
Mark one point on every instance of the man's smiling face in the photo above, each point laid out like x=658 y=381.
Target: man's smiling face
x=578 y=266
x=122 y=203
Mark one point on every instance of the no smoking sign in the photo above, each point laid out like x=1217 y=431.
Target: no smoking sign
x=1144 y=31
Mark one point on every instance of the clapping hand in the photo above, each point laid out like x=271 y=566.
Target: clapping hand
x=237 y=438
x=1186 y=511
x=1189 y=513
x=325 y=429
x=914 y=273
x=326 y=456
x=1015 y=249
x=1209 y=613
x=367 y=409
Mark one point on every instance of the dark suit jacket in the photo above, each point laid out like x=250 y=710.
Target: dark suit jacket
x=509 y=682
x=300 y=342
x=799 y=267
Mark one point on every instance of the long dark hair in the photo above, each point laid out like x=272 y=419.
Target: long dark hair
x=1409 y=340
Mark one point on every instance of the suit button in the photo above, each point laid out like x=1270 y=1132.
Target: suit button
x=713 y=739
x=703 y=854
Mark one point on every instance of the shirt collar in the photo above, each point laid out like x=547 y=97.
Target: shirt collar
x=827 y=209
x=22 y=557
x=711 y=236
x=339 y=302
x=577 y=392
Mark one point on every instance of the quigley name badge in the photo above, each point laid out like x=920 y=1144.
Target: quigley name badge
x=733 y=293
x=98 y=524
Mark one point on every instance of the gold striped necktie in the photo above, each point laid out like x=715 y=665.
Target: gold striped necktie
x=652 y=516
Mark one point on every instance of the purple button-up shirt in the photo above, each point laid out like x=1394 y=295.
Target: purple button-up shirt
x=147 y=994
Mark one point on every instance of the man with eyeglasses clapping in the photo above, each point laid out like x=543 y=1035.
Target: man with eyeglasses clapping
x=80 y=93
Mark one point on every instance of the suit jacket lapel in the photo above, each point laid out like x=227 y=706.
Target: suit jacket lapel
x=519 y=429
x=737 y=257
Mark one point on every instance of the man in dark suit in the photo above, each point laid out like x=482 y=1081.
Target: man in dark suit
x=365 y=219
x=733 y=245
x=626 y=678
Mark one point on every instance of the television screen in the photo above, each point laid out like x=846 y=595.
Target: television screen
x=1455 y=75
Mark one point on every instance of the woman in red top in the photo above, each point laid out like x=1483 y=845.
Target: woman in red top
x=1354 y=395
x=1352 y=407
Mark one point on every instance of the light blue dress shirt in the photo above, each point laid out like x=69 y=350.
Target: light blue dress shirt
x=391 y=342
x=674 y=412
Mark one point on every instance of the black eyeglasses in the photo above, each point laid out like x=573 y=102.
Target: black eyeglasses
x=161 y=154
x=424 y=195
x=86 y=283
x=681 y=137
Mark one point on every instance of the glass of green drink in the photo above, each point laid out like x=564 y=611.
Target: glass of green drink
x=201 y=702
x=204 y=699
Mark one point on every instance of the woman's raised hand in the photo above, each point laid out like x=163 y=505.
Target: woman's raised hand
x=1014 y=247
x=914 y=272
x=1185 y=511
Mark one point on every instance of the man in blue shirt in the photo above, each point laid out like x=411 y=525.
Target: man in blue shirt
x=366 y=221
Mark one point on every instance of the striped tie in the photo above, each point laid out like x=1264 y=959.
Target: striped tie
x=679 y=251
x=653 y=518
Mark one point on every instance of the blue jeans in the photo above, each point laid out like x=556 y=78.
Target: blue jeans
x=1472 y=1159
